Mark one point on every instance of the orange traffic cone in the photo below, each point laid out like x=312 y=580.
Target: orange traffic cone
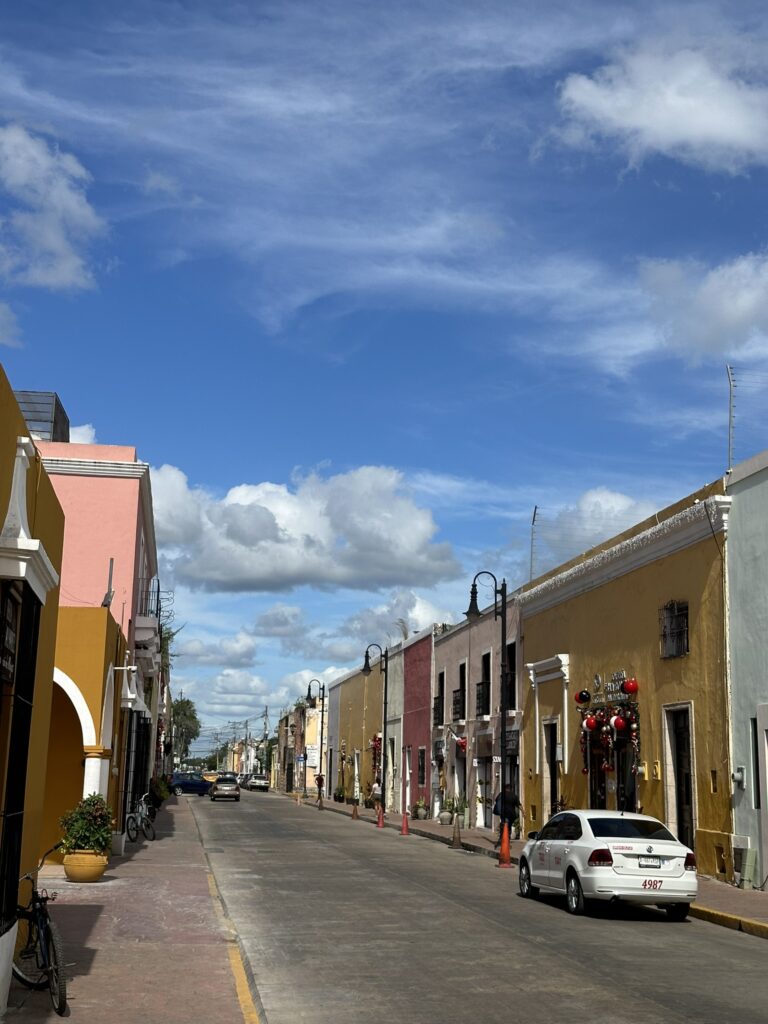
x=404 y=827
x=355 y=815
x=380 y=821
x=505 y=861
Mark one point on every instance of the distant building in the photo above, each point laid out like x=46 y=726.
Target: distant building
x=45 y=415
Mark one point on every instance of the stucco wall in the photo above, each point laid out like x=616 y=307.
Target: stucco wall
x=748 y=618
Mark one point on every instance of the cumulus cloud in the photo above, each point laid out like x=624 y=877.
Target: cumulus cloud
x=85 y=433
x=360 y=529
x=596 y=516
x=682 y=104
x=236 y=651
x=44 y=239
x=10 y=334
x=722 y=309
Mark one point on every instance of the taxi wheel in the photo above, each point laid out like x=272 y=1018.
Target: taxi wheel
x=574 y=894
x=527 y=890
x=677 y=911
x=178 y=790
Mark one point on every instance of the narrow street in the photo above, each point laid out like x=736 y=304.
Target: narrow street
x=412 y=930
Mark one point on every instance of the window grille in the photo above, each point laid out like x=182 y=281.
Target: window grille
x=673 y=628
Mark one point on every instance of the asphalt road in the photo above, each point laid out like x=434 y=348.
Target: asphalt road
x=343 y=922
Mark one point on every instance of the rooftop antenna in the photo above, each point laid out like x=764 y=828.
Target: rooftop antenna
x=533 y=537
x=731 y=389
x=106 y=601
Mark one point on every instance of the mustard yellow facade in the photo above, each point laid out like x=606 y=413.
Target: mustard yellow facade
x=644 y=613
x=91 y=732
x=31 y=541
x=361 y=710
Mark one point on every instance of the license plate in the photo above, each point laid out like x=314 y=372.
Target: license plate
x=649 y=862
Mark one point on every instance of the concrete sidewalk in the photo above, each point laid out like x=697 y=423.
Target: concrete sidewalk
x=147 y=942
x=744 y=910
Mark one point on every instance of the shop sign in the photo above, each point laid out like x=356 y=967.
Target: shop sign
x=604 y=691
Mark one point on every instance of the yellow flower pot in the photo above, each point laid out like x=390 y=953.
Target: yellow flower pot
x=85 y=865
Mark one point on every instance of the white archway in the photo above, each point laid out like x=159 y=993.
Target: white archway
x=92 y=773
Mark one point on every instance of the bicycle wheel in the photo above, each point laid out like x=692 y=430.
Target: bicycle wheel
x=132 y=828
x=27 y=966
x=147 y=827
x=57 y=981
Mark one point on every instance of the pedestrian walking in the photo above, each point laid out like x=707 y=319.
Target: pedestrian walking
x=319 y=782
x=512 y=810
x=376 y=794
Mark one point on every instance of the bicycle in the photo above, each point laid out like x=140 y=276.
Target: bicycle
x=140 y=819
x=39 y=963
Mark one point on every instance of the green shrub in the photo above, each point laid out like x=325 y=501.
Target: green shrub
x=88 y=826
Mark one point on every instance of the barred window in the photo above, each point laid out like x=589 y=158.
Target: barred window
x=673 y=626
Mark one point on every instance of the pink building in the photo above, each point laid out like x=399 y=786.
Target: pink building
x=110 y=562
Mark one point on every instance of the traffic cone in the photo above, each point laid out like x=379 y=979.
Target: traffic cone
x=404 y=827
x=505 y=861
x=355 y=815
x=380 y=821
x=456 y=841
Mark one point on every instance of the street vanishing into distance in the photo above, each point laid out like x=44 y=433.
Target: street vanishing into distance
x=342 y=922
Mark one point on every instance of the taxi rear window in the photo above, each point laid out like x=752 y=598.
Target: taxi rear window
x=629 y=828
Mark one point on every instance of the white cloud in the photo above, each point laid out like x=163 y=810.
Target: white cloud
x=359 y=529
x=682 y=104
x=10 y=334
x=712 y=310
x=85 y=433
x=597 y=515
x=43 y=241
x=238 y=651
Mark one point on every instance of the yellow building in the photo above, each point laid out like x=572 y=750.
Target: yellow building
x=361 y=715
x=31 y=540
x=627 y=702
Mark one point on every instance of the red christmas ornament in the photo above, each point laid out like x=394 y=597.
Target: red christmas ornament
x=591 y=722
x=619 y=723
x=582 y=697
x=585 y=771
x=630 y=686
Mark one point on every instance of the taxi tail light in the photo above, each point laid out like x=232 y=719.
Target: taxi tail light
x=690 y=862
x=600 y=859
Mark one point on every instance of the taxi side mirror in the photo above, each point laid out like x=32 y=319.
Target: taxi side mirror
x=533 y=835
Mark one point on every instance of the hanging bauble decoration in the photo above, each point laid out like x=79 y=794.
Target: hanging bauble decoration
x=619 y=723
x=612 y=721
x=601 y=715
x=583 y=697
x=633 y=727
x=590 y=722
x=630 y=686
x=585 y=770
x=606 y=729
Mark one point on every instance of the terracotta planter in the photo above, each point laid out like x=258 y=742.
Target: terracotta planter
x=85 y=865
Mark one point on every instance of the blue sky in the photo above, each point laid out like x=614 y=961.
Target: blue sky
x=365 y=283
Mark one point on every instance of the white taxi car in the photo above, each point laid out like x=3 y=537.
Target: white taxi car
x=609 y=855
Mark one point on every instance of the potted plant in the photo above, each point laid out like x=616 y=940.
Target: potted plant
x=87 y=839
x=421 y=808
x=445 y=817
x=462 y=809
x=338 y=794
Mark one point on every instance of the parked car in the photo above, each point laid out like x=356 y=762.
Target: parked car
x=189 y=782
x=609 y=855
x=242 y=779
x=258 y=781
x=225 y=786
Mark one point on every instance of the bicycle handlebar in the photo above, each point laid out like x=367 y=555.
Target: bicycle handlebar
x=31 y=874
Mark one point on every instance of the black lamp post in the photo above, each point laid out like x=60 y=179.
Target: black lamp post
x=499 y=611
x=321 y=694
x=383 y=667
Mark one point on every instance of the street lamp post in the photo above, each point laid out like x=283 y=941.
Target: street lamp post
x=383 y=667
x=321 y=694
x=499 y=611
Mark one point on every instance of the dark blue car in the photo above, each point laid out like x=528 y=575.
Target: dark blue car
x=189 y=782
